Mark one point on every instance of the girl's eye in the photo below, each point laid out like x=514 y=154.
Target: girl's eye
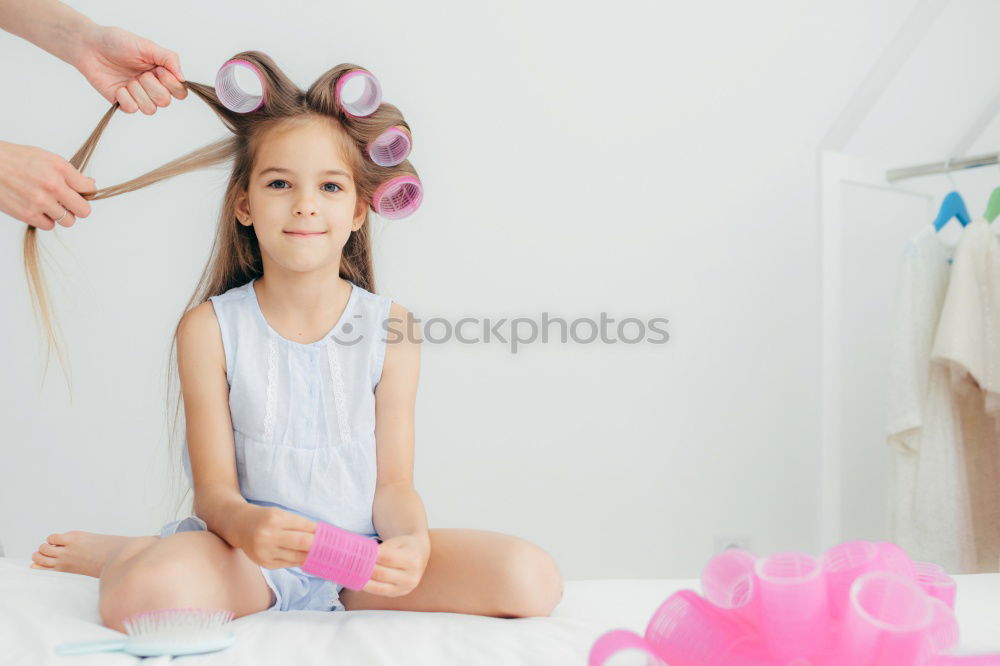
x=339 y=188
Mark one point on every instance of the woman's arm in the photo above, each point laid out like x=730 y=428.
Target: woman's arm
x=48 y=24
x=397 y=509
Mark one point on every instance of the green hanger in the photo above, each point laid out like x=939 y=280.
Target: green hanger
x=993 y=207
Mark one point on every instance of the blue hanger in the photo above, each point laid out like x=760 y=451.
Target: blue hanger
x=952 y=206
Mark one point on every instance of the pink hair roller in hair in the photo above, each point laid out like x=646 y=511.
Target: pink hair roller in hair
x=368 y=102
x=341 y=556
x=794 y=611
x=889 y=621
x=686 y=630
x=229 y=92
x=398 y=197
x=391 y=147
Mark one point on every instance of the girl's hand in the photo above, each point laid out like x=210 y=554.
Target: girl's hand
x=130 y=70
x=399 y=565
x=274 y=538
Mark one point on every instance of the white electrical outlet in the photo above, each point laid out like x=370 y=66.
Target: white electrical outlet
x=728 y=541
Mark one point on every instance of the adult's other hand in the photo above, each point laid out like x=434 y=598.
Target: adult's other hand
x=38 y=187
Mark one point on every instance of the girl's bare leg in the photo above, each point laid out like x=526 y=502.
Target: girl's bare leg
x=187 y=569
x=78 y=552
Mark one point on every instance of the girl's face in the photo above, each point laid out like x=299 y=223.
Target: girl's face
x=301 y=199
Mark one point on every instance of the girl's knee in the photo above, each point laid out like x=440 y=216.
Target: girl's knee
x=143 y=584
x=533 y=581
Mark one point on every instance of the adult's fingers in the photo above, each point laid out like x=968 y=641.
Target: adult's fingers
x=171 y=83
x=78 y=181
x=125 y=101
x=155 y=90
x=72 y=201
x=141 y=98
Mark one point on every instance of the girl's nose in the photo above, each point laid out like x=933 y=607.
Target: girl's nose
x=305 y=207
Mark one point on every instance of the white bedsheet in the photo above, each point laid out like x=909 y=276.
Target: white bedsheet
x=40 y=609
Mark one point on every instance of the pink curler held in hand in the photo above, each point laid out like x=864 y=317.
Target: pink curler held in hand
x=231 y=94
x=794 y=611
x=367 y=102
x=341 y=556
x=888 y=622
x=398 y=197
x=391 y=146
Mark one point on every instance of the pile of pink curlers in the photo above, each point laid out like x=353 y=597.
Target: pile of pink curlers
x=397 y=197
x=862 y=604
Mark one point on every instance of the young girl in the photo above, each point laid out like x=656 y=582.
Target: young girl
x=299 y=384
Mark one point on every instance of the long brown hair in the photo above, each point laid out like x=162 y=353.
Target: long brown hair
x=235 y=258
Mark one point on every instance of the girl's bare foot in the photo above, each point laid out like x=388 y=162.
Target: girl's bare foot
x=77 y=552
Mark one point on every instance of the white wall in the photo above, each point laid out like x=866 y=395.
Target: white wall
x=644 y=159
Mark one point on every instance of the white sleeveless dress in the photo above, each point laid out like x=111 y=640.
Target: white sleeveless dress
x=303 y=423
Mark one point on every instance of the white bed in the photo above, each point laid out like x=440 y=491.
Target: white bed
x=40 y=609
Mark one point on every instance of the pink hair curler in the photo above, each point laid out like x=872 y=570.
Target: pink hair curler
x=944 y=627
x=991 y=659
x=794 y=611
x=229 y=92
x=895 y=559
x=341 y=556
x=686 y=630
x=842 y=564
x=728 y=582
x=938 y=585
x=398 y=197
x=391 y=147
x=367 y=102
x=888 y=622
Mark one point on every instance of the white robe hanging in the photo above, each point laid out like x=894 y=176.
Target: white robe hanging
x=916 y=423
x=966 y=352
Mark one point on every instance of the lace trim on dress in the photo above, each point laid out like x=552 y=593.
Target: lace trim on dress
x=272 y=367
x=338 y=390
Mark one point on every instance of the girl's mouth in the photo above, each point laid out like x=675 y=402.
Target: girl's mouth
x=305 y=234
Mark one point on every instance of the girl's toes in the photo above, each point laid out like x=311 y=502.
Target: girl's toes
x=49 y=549
x=43 y=561
x=60 y=539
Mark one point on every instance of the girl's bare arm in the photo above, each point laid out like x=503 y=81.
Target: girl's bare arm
x=201 y=361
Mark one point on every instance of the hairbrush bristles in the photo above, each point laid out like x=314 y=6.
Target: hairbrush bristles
x=366 y=103
x=229 y=92
x=176 y=620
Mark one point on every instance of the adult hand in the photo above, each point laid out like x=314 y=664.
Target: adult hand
x=399 y=565
x=274 y=538
x=126 y=68
x=37 y=187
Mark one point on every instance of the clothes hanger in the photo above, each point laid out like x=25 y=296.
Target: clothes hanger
x=953 y=204
x=993 y=207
